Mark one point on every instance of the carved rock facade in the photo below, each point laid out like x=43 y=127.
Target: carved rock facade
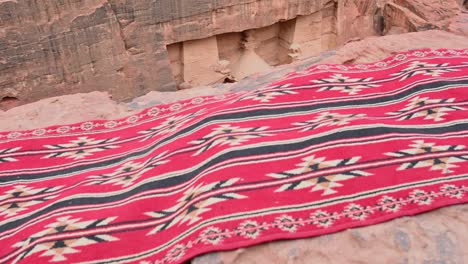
x=131 y=47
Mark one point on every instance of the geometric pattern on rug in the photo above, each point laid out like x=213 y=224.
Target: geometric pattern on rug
x=319 y=151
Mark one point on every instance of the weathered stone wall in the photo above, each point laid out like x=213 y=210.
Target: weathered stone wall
x=364 y=18
x=55 y=47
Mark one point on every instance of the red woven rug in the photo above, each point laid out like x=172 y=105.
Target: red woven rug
x=333 y=147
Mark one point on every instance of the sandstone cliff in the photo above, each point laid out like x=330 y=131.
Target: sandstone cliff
x=131 y=47
x=50 y=47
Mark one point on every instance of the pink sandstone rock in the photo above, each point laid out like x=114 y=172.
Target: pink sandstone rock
x=50 y=48
x=63 y=109
x=131 y=47
x=377 y=48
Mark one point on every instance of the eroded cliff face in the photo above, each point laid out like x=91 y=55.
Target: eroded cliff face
x=50 y=47
x=131 y=47
x=365 y=18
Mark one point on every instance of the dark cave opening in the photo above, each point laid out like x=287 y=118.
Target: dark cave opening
x=379 y=22
x=8 y=102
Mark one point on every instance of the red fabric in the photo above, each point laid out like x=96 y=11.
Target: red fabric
x=329 y=148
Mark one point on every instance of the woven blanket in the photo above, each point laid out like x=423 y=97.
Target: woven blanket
x=322 y=150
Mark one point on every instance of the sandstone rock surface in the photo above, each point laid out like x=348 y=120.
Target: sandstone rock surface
x=50 y=48
x=130 y=47
x=63 y=109
x=377 y=48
